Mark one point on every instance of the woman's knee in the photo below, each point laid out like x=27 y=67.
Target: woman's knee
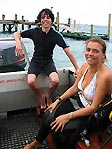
x=48 y=117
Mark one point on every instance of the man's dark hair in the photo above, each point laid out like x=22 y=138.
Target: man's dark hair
x=47 y=12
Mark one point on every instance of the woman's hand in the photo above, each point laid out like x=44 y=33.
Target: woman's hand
x=52 y=106
x=60 y=122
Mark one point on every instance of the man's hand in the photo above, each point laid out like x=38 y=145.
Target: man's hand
x=18 y=50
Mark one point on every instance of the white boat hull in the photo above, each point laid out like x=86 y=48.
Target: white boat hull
x=15 y=93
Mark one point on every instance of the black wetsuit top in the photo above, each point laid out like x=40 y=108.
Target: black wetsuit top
x=44 y=44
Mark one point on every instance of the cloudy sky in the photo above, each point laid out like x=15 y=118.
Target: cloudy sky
x=94 y=12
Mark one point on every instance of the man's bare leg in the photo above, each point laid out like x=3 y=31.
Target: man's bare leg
x=54 y=81
x=44 y=96
x=32 y=84
x=43 y=99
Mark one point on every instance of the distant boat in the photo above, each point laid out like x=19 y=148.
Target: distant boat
x=83 y=36
x=69 y=32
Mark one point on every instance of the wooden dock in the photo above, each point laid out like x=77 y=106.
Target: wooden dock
x=8 y=25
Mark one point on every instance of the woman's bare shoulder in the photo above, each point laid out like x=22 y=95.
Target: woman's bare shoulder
x=84 y=66
x=105 y=72
x=105 y=76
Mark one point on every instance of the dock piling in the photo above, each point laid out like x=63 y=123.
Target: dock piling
x=109 y=24
x=91 y=30
x=23 y=24
x=69 y=21
x=4 y=27
x=57 y=21
x=16 y=26
x=3 y=17
x=74 y=24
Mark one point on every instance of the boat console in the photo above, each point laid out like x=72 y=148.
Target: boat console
x=9 y=62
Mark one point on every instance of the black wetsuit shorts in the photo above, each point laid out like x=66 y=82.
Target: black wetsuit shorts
x=41 y=67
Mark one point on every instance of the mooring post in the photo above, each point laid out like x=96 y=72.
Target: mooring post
x=29 y=26
x=9 y=29
x=74 y=24
x=23 y=23
x=91 y=31
x=3 y=17
x=109 y=24
x=4 y=27
x=69 y=20
x=16 y=25
x=57 y=21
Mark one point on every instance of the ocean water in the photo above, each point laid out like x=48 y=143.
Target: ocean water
x=76 y=46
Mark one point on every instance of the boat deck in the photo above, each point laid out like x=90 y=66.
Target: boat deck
x=97 y=142
x=17 y=128
x=20 y=127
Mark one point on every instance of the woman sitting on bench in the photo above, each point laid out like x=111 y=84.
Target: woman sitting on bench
x=92 y=85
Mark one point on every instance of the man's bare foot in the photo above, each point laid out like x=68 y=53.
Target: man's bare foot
x=43 y=103
x=32 y=145
x=49 y=101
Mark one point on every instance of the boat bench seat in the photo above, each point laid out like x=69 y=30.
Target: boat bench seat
x=16 y=92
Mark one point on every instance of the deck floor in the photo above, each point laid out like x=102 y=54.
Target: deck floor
x=96 y=143
x=16 y=129
x=20 y=127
